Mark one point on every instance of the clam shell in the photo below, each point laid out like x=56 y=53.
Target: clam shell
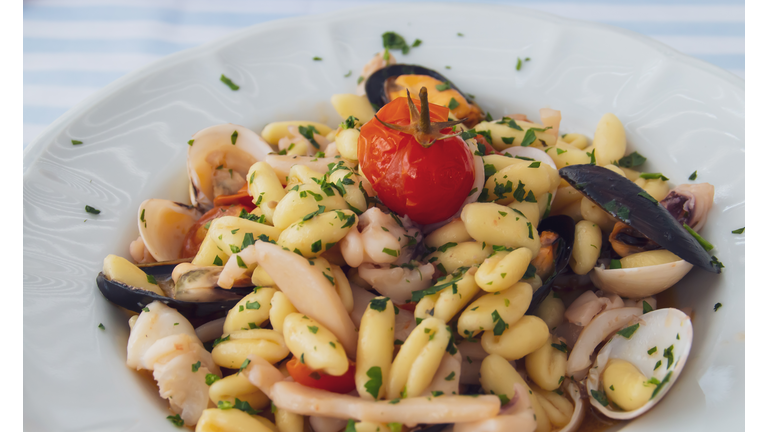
x=640 y=282
x=660 y=329
x=163 y=225
x=212 y=147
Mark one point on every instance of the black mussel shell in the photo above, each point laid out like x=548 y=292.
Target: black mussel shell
x=624 y=200
x=375 y=87
x=565 y=228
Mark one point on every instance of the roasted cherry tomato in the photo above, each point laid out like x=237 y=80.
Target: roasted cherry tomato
x=303 y=375
x=197 y=233
x=241 y=197
x=416 y=167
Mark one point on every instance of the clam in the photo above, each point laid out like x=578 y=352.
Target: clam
x=550 y=262
x=391 y=82
x=218 y=161
x=637 y=366
x=630 y=204
x=163 y=226
x=194 y=294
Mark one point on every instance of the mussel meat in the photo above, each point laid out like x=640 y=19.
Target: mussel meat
x=393 y=81
x=627 y=202
x=557 y=235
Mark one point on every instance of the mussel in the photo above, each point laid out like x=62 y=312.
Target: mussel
x=564 y=227
x=630 y=204
x=392 y=81
x=207 y=303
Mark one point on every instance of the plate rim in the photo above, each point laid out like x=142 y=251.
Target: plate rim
x=34 y=149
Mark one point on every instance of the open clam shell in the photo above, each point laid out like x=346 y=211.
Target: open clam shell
x=626 y=201
x=163 y=225
x=219 y=158
x=640 y=282
x=565 y=228
x=670 y=332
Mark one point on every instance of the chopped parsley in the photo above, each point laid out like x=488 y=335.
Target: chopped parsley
x=92 y=210
x=101 y=326
x=628 y=331
x=453 y=104
x=705 y=244
x=661 y=384
x=615 y=264
x=738 y=231
x=317 y=58
x=718 y=306
x=391 y=252
x=647 y=196
x=599 y=397
x=190 y=142
x=652 y=350
x=309 y=132
x=220 y=340
x=229 y=83
x=529 y=138
x=217 y=261
x=151 y=279
x=519 y=63
x=196 y=367
x=176 y=419
x=693 y=176
x=647 y=307
x=211 y=378
x=447 y=246
x=379 y=304
x=76 y=142
x=561 y=347
x=632 y=160
x=500 y=325
x=373 y=385
x=145 y=309
x=233 y=138
x=451 y=376
x=443 y=86
x=393 y=41
x=669 y=355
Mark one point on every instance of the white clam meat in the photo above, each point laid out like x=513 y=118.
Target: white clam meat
x=639 y=282
x=658 y=349
x=218 y=161
x=163 y=225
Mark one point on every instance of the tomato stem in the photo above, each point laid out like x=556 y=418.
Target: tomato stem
x=421 y=127
x=424 y=121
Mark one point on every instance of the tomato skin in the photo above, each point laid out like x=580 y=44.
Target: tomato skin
x=427 y=184
x=338 y=384
x=241 y=197
x=197 y=233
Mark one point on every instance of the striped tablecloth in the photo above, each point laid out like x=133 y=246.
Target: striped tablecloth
x=75 y=47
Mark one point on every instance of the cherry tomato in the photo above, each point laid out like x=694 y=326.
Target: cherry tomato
x=197 y=233
x=428 y=184
x=410 y=306
x=241 y=197
x=303 y=375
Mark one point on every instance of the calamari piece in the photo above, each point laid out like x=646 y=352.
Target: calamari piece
x=140 y=253
x=169 y=347
x=326 y=424
x=690 y=203
x=304 y=284
x=376 y=63
x=152 y=326
x=551 y=118
x=263 y=374
x=397 y=283
x=589 y=304
x=294 y=397
x=597 y=331
x=450 y=366
x=184 y=388
x=381 y=238
x=404 y=320
x=517 y=415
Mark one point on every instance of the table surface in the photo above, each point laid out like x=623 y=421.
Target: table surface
x=74 y=47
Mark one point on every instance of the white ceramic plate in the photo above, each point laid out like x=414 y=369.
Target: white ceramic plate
x=681 y=113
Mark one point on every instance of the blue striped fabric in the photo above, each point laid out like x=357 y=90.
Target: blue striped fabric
x=75 y=47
